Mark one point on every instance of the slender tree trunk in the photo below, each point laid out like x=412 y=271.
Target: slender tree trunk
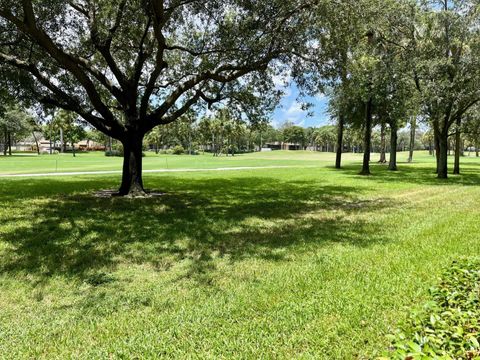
x=341 y=118
x=392 y=165
x=413 y=129
x=213 y=145
x=442 y=156
x=222 y=145
x=383 y=145
x=36 y=142
x=189 y=143
x=62 y=148
x=458 y=145
x=73 y=148
x=50 y=140
x=5 y=144
x=477 y=152
x=367 y=138
x=132 y=182
x=9 y=136
x=436 y=140
x=340 y=126
x=456 y=164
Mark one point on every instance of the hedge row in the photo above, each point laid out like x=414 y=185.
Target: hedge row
x=448 y=326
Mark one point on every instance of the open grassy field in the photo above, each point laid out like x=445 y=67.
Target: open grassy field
x=97 y=161
x=301 y=262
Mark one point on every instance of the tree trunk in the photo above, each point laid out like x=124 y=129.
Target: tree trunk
x=383 y=145
x=36 y=142
x=132 y=183
x=5 y=146
x=338 y=160
x=9 y=138
x=50 y=140
x=458 y=145
x=214 y=148
x=392 y=165
x=367 y=138
x=442 y=156
x=436 y=140
x=189 y=143
x=73 y=148
x=413 y=129
x=62 y=148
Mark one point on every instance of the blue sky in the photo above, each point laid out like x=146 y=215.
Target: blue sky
x=290 y=110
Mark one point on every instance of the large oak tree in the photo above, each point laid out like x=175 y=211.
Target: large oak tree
x=127 y=66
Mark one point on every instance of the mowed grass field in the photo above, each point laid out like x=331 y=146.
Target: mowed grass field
x=306 y=262
x=97 y=161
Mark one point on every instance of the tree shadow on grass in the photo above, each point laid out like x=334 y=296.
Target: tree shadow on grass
x=80 y=236
x=17 y=155
x=416 y=174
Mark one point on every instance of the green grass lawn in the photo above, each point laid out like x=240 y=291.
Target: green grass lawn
x=288 y=263
x=97 y=161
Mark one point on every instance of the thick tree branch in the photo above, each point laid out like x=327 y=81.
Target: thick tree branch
x=181 y=111
x=233 y=73
x=79 y=9
x=67 y=102
x=158 y=22
x=103 y=45
x=64 y=60
x=462 y=110
x=142 y=55
x=114 y=90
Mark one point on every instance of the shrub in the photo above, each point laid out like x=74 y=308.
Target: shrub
x=178 y=150
x=114 y=153
x=448 y=326
x=117 y=153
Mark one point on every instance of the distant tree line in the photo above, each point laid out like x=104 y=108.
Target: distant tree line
x=137 y=69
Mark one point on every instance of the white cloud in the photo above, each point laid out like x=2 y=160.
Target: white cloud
x=321 y=97
x=282 y=81
x=295 y=114
x=295 y=109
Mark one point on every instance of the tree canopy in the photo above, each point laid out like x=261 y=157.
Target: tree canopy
x=128 y=66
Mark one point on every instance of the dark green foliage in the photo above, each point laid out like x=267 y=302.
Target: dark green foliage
x=178 y=150
x=114 y=153
x=118 y=151
x=293 y=134
x=448 y=325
